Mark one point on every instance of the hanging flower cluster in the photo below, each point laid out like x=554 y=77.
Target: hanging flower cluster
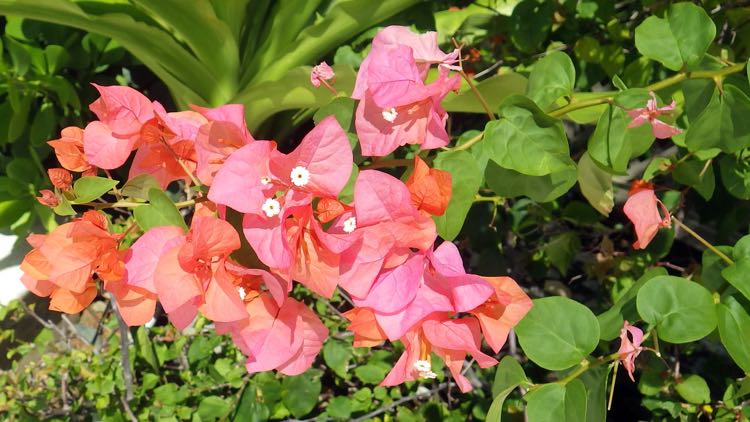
x=378 y=249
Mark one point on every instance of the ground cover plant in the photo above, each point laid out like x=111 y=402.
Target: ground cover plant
x=538 y=212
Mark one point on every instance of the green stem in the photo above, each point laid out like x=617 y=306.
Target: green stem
x=469 y=143
x=586 y=365
x=402 y=162
x=479 y=96
x=704 y=242
x=129 y=204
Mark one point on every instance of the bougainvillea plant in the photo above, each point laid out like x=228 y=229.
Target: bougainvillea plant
x=215 y=224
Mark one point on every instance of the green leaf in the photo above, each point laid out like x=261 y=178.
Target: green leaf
x=693 y=389
x=532 y=22
x=89 y=188
x=562 y=249
x=339 y=408
x=336 y=355
x=557 y=403
x=145 y=348
x=43 y=124
x=526 y=140
x=508 y=376
x=680 y=39
x=466 y=179
x=613 y=144
x=735 y=174
x=595 y=381
x=340 y=107
x=139 y=186
x=698 y=174
x=494 y=89
x=734 y=331
x=722 y=124
x=212 y=408
x=249 y=409
x=511 y=184
x=18 y=55
x=738 y=275
x=742 y=248
x=372 y=372
x=681 y=310
x=12 y=210
x=711 y=267
x=160 y=211
x=611 y=320
x=551 y=78
x=558 y=333
x=596 y=185
x=300 y=393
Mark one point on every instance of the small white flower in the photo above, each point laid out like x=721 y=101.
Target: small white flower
x=390 y=114
x=428 y=375
x=350 y=224
x=300 y=176
x=271 y=207
x=242 y=292
x=422 y=366
x=265 y=180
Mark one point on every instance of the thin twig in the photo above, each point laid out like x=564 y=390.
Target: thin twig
x=441 y=386
x=47 y=324
x=128 y=410
x=73 y=329
x=127 y=372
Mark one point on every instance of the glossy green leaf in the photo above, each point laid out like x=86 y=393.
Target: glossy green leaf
x=88 y=188
x=551 y=78
x=160 y=211
x=340 y=408
x=698 y=174
x=722 y=124
x=508 y=376
x=139 y=186
x=596 y=382
x=558 y=333
x=613 y=144
x=734 y=331
x=693 y=389
x=596 y=185
x=562 y=249
x=43 y=125
x=557 y=403
x=336 y=355
x=679 y=39
x=512 y=184
x=212 y=408
x=249 y=409
x=735 y=175
x=532 y=21
x=681 y=310
x=526 y=140
x=738 y=275
x=300 y=393
x=466 y=180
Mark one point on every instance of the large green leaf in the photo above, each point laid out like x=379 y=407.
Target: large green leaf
x=557 y=403
x=88 y=188
x=734 y=330
x=527 y=140
x=723 y=123
x=735 y=174
x=511 y=184
x=558 y=333
x=613 y=144
x=551 y=78
x=300 y=393
x=160 y=211
x=466 y=179
x=680 y=39
x=596 y=185
x=508 y=375
x=681 y=310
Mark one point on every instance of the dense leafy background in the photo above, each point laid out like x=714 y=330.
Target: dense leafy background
x=539 y=198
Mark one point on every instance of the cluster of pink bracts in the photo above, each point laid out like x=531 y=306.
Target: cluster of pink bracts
x=379 y=249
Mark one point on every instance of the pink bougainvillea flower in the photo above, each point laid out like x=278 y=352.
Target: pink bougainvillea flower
x=424 y=51
x=48 y=198
x=642 y=209
x=382 y=129
x=502 y=311
x=191 y=274
x=650 y=114
x=269 y=186
x=384 y=227
x=430 y=188
x=630 y=348
x=225 y=133
x=69 y=150
x=122 y=111
x=451 y=339
x=60 y=178
x=167 y=138
x=286 y=338
x=367 y=332
x=404 y=296
x=321 y=72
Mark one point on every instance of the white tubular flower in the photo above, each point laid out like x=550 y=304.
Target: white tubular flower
x=271 y=207
x=241 y=291
x=428 y=375
x=422 y=366
x=390 y=114
x=300 y=176
x=350 y=224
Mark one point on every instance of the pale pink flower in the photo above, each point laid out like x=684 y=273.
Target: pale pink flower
x=650 y=114
x=630 y=348
x=321 y=72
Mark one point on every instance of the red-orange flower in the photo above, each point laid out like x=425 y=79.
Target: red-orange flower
x=430 y=188
x=69 y=150
x=60 y=178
